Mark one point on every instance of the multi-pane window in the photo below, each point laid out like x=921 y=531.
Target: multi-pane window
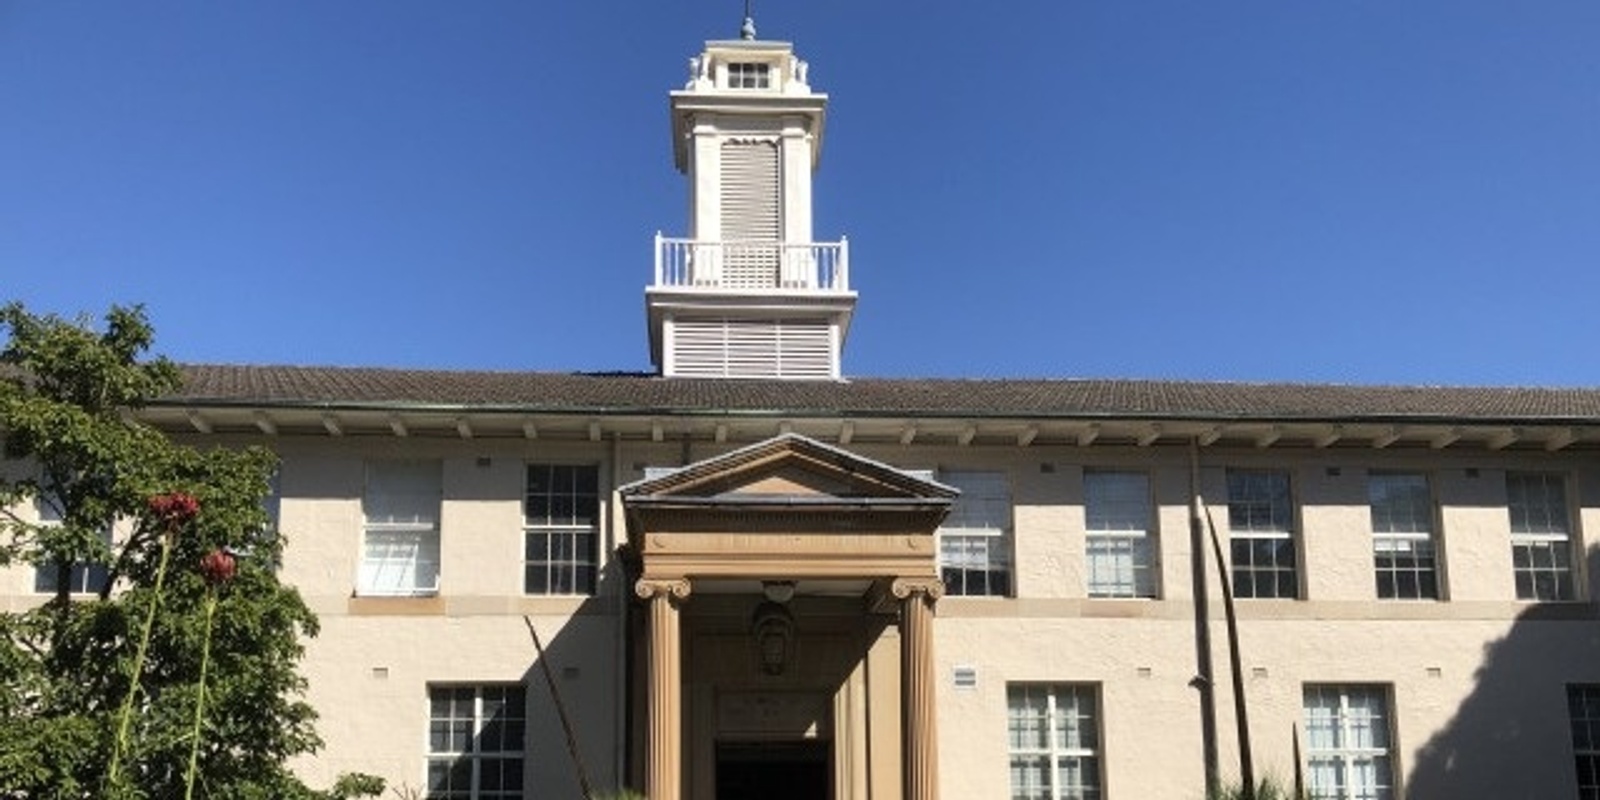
x=975 y=540
x=1583 y=711
x=1054 y=741
x=83 y=577
x=1404 y=556
x=476 y=742
x=749 y=75
x=1349 y=749
x=1541 y=538
x=561 y=518
x=1261 y=534
x=400 y=547
x=1117 y=517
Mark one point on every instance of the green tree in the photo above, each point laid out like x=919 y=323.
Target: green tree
x=115 y=677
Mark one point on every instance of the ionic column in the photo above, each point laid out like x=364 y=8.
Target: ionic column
x=663 y=771
x=918 y=714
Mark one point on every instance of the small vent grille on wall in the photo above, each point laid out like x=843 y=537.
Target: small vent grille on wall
x=966 y=677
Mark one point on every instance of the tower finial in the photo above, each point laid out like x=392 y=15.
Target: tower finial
x=747 y=31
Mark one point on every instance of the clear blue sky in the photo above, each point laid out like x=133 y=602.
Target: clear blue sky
x=1350 y=191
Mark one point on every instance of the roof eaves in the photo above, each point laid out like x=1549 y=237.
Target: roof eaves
x=1379 y=418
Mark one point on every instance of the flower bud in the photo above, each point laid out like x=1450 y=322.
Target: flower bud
x=218 y=567
x=174 y=508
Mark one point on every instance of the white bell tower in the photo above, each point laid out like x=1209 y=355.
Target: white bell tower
x=748 y=293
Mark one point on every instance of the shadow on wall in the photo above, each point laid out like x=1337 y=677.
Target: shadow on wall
x=513 y=740
x=1511 y=737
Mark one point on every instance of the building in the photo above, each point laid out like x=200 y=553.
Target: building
x=753 y=578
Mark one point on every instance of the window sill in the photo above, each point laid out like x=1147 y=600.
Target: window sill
x=395 y=605
x=420 y=593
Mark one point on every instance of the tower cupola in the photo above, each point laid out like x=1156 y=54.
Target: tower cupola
x=748 y=293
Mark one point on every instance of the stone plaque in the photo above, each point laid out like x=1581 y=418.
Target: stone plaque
x=781 y=714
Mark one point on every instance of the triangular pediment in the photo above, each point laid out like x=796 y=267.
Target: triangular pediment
x=790 y=467
x=789 y=507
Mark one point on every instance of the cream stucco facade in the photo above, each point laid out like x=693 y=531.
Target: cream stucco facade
x=765 y=582
x=1476 y=682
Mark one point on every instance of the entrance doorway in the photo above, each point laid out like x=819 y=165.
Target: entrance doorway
x=795 y=770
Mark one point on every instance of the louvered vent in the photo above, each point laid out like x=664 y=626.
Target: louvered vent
x=750 y=348
x=750 y=214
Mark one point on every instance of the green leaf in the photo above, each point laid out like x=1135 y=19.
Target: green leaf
x=67 y=666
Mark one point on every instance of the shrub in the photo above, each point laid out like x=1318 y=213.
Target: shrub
x=1267 y=788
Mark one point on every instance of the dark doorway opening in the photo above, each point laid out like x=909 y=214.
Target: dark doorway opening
x=773 y=771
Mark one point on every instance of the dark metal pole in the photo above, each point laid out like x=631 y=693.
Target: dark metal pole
x=561 y=711
x=1299 y=769
x=1247 y=768
x=1202 y=627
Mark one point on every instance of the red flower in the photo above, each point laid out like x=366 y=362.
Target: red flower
x=218 y=567
x=174 y=508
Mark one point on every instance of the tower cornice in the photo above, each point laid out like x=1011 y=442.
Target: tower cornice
x=688 y=107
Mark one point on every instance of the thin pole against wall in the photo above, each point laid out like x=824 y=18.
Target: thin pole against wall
x=1247 y=769
x=561 y=711
x=1202 y=682
x=623 y=682
x=1299 y=768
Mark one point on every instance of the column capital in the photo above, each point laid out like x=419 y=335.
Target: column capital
x=931 y=588
x=674 y=588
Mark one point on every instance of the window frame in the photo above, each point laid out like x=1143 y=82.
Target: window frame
x=473 y=756
x=1058 y=744
x=750 y=75
x=1585 y=740
x=1238 y=535
x=999 y=543
x=426 y=534
x=582 y=584
x=1143 y=542
x=1423 y=543
x=84 y=578
x=1566 y=576
x=1347 y=758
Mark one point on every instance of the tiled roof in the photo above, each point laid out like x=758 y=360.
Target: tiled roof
x=630 y=393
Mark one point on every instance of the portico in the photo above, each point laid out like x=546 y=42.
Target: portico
x=788 y=593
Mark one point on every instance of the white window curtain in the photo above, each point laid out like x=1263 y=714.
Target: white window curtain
x=1054 y=742
x=400 y=551
x=1117 y=517
x=1347 y=743
x=975 y=539
x=1541 y=540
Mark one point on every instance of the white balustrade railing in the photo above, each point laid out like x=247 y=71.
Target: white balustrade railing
x=744 y=265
